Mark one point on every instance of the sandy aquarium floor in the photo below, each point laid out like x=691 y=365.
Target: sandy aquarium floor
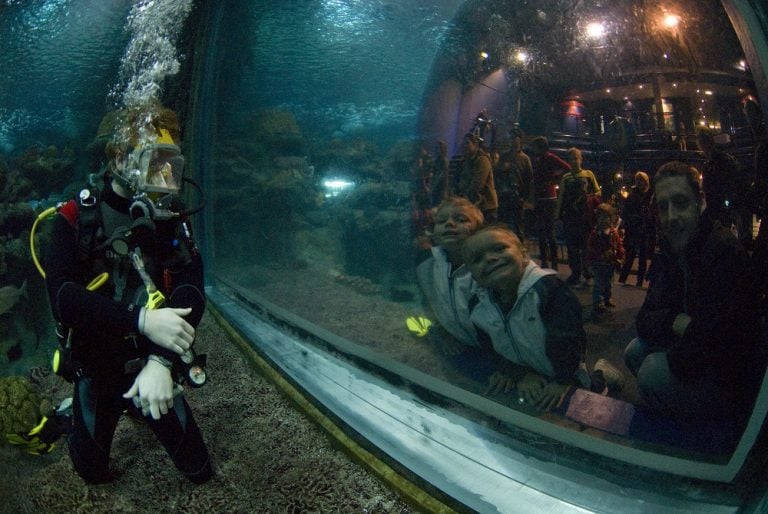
x=268 y=457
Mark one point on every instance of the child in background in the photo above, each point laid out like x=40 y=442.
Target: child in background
x=445 y=282
x=532 y=318
x=605 y=252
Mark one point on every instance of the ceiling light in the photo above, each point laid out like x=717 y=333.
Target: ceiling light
x=595 y=30
x=671 y=20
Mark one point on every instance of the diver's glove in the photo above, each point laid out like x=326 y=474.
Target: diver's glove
x=42 y=438
x=152 y=390
x=167 y=328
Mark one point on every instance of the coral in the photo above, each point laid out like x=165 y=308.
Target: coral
x=20 y=405
x=271 y=123
x=48 y=169
x=18 y=188
x=15 y=219
x=279 y=131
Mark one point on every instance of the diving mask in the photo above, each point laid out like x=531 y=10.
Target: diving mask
x=153 y=173
x=159 y=168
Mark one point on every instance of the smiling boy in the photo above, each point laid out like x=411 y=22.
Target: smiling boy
x=533 y=320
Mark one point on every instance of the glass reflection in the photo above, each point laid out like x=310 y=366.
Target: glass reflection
x=626 y=85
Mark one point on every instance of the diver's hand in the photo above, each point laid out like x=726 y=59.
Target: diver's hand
x=499 y=383
x=152 y=391
x=167 y=328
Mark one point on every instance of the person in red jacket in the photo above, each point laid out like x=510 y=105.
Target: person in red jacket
x=548 y=168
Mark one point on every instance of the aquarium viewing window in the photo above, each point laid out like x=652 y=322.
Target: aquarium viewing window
x=322 y=277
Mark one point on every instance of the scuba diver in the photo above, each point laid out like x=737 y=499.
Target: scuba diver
x=127 y=334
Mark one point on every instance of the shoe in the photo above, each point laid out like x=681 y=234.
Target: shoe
x=610 y=375
x=609 y=304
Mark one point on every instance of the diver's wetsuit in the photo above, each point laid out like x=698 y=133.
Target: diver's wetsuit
x=105 y=335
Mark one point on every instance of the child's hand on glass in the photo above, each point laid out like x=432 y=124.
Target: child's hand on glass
x=499 y=383
x=551 y=396
x=540 y=392
x=531 y=387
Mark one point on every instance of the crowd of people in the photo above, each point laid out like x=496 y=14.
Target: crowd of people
x=699 y=354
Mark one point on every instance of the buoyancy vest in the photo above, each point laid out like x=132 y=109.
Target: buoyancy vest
x=106 y=235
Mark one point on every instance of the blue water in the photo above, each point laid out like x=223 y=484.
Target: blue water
x=59 y=59
x=344 y=68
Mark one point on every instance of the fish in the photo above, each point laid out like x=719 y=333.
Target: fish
x=10 y=296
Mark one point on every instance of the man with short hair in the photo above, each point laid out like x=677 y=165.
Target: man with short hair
x=698 y=354
x=476 y=179
x=513 y=183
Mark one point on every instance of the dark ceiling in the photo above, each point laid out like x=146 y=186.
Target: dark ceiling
x=560 y=56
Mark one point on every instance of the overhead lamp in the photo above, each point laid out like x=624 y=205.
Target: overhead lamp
x=484 y=55
x=671 y=20
x=595 y=30
x=521 y=56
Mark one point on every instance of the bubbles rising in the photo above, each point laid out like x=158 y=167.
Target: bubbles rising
x=151 y=55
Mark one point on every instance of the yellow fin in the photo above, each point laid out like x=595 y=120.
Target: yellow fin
x=418 y=325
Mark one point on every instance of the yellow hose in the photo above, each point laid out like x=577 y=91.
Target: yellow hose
x=50 y=211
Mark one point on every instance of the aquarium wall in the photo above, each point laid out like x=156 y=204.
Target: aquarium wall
x=323 y=141
x=312 y=133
